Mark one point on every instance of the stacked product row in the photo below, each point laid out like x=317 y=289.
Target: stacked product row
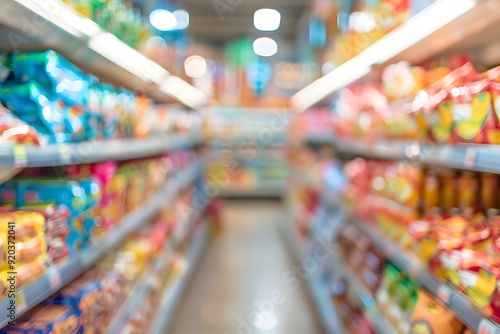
x=99 y=298
x=448 y=219
x=49 y=100
x=396 y=296
x=450 y=103
x=59 y=212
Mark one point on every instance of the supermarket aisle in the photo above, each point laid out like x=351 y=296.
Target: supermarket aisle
x=242 y=268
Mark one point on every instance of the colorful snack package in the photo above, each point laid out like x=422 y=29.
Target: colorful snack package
x=84 y=295
x=430 y=317
x=14 y=130
x=45 y=319
x=54 y=73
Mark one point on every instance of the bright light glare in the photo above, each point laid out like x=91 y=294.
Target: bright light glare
x=362 y=22
x=267 y=19
x=265 y=47
x=182 y=18
x=163 y=20
x=195 y=66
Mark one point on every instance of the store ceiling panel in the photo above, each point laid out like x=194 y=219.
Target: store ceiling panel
x=220 y=21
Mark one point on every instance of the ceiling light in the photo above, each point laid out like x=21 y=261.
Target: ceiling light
x=163 y=20
x=182 y=18
x=267 y=19
x=265 y=47
x=195 y=66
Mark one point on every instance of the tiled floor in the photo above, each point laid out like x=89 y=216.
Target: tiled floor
x=240 y=268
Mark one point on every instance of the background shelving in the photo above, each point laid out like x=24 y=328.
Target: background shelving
x=57 y=277
x=51 y=24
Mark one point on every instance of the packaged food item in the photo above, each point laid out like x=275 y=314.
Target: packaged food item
x=83 y=295
x=430 y=317
x=489 y=191
x=448 y=191
x=468 y=189
x=14 y=130
x=45 y=319
x=54 y=73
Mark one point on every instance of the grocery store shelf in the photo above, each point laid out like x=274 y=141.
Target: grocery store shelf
x=173 y=292
x=445 y=26
x=381 y=325
x=57 y=277
x=474 y=157
x=51 y=24
x=455 y=300
x=92 y=152
x=317 y=285
x=254 y=191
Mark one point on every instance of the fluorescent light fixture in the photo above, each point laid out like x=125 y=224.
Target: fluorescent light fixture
x=416 y=29
x=183 y=92
x=61 y=15
x=411 y=32
x=110 y=47
x=335 y=80
x=163 y=20
x=195 y=66
x=265 y=47
x=182 y=18
x=266 y=19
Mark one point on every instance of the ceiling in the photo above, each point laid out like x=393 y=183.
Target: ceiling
x=217 y=22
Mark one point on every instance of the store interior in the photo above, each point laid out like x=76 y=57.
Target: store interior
x=250 y=167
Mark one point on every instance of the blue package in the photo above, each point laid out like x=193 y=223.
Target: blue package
x=53 y=72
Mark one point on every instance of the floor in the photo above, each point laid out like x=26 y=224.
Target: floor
x=236 y=289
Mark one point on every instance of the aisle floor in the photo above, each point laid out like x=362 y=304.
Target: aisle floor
x=240 y=269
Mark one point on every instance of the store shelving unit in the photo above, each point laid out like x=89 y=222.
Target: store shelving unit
x=455 y=301
x=445 y=26
x=378 y=321
x=92 y=152
x=57 y=277
x=479 y=158
x=316 y=284
x=173 y=292
x=51 y=24
x=160 y=267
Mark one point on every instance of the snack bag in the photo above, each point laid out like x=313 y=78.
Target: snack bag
x=493 y=136
x=83 y=295
x=473 y=112
x=430 y=317
x=14 y=130
x=53 y=72
x=45 y=319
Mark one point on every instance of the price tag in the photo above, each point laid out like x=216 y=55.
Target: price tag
x=64 y=153
x=470 y=158
x=444 y=293
x=54 y=277
x=20 y=156
x=486 y=327
x=21 y=306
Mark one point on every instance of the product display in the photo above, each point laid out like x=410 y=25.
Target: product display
x=363 y=135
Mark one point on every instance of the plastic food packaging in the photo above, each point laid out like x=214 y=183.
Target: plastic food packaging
x=430 y=317
x=45 y=319
x=14 y=130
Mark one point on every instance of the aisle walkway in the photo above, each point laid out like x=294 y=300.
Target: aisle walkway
x=239 y=270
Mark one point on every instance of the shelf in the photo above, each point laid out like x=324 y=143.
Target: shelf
x=173 y=292
x=157 y=268
x=454 y=300
x=371 y=310
x=255 y=191
x=92 y=152
x=57 y=277
x=51 y=24
x=474 y=157
x=447 y=26
x=317 y=286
